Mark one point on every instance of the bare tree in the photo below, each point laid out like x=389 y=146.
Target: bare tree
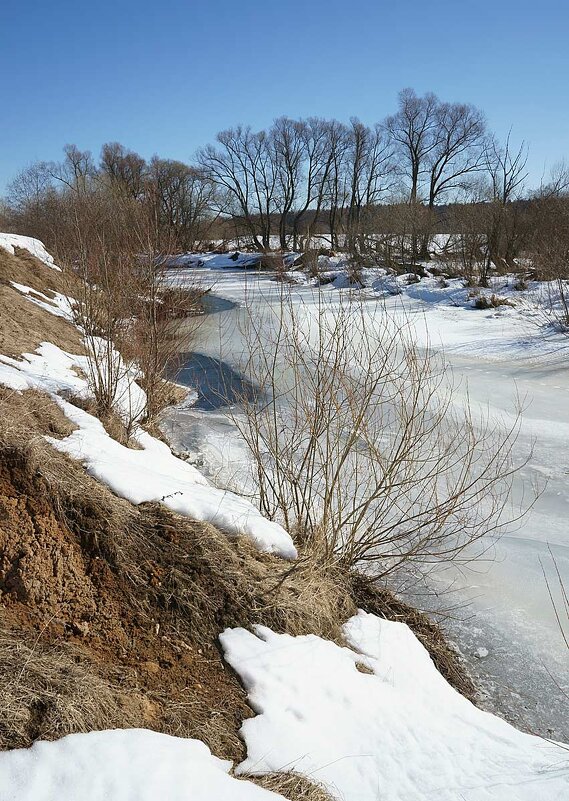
x=370 y=169
x=243 y=167
x=413 y=130
x=180 y=199
x=506 y=168
x=124 y=168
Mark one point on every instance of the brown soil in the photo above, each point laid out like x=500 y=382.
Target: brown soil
x=60 y=588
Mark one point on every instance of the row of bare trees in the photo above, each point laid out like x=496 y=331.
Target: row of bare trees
x=44 y=199
x=269 y=180
x=382 y=190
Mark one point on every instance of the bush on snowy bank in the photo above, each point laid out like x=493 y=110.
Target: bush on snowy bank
x=491 y=302
x=139 y=595
x=358 y=448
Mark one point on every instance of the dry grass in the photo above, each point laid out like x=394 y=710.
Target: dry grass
x=291 y=786
x=208 y=582
x=112 y=422
x=51 y=690
x=24 y=268
x=24 y=325
x=24 y=414
x=491 y=302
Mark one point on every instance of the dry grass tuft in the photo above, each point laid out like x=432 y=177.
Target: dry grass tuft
x=51 y=690
x=208 y=582
x=180 y=301
x=491 y=302
x=291 y=786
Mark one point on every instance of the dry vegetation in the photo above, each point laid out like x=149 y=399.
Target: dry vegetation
x=291 y=786
x=131 y=600
x=23 y=325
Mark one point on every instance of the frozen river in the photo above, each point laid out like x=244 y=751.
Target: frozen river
x=503 y=621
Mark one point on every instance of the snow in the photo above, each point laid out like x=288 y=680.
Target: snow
x=122 y=765
x=34 y=246
x=398 y=733
x=153 y=473
x=59 y=305
x=150 y=473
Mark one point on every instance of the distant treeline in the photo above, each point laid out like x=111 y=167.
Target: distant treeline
x=432 y=166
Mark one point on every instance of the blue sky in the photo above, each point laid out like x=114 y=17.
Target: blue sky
x=164 y=77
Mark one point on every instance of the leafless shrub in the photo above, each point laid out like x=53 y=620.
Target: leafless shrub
x=550 y=254
x=357 y=445
x=127 y=310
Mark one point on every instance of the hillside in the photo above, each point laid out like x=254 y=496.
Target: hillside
x=167 y=631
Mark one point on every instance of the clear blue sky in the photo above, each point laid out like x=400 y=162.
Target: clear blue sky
x=164 y=77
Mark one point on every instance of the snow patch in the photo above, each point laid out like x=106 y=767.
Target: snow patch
x=122 y=765
x=152 y=473
x=399 y=733
x=34 y=246
x=59 y=305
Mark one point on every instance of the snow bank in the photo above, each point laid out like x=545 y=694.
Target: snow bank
x=223 y=261
x=155 y=474
x=121 y=766
x=34 y=246
x=152 y=473
x=400 y=733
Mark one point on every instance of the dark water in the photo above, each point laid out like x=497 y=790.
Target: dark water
x=213 y=304
x=217 y=384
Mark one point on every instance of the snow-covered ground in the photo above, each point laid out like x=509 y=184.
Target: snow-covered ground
x=505 y=625
x=34 y=246
x=394 y=731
